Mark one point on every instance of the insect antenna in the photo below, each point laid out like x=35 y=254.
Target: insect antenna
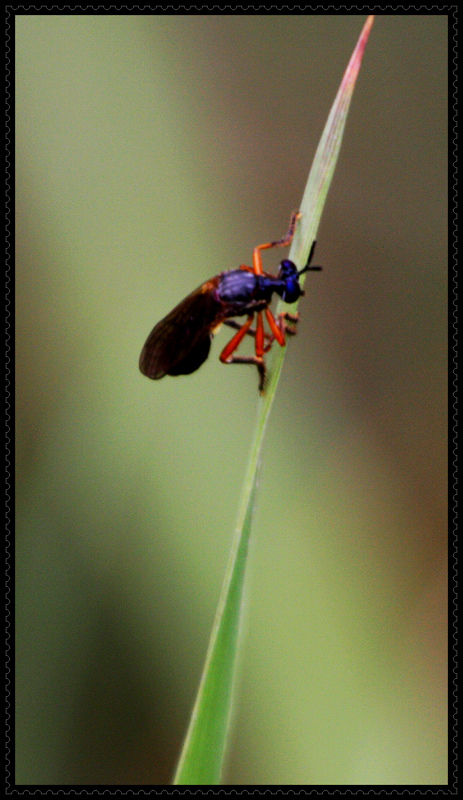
x=307 y=266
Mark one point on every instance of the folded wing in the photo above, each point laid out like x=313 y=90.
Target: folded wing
x=181 y=341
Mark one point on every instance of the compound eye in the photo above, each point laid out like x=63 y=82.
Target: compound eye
x=292 y=291
x=287 y=267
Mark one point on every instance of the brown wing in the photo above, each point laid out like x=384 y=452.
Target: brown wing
x=180 y=342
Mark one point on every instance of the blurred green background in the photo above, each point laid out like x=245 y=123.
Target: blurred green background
x=152 y=153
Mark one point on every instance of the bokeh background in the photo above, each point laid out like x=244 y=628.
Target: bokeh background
x=152 y=153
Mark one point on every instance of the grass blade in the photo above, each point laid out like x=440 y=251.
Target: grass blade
x=203 y=751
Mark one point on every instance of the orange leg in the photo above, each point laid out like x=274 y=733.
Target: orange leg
x=280 y=327
x=230 y=348
x=264 y=340
x=284 y=242
x=227 y=356
x=259 y=333
x=251 y=331
x=260 y=336
x=278 y=331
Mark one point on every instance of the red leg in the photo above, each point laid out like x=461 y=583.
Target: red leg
x=260 y=336
x=286 y=324
x=250 y=332
x=227 y=356
x=233 y=343
x=284 y=242
x=278 y=332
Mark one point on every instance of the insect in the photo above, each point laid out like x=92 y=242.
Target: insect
x=180 y=342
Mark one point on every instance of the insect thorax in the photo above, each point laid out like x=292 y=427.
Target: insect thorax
x=237 y=286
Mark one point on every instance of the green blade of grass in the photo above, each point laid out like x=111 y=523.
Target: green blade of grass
x=203 y=751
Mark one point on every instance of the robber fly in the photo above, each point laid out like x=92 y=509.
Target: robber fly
x=181 y=341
